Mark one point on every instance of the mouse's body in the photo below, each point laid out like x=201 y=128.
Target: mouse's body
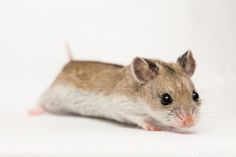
x=139 y=93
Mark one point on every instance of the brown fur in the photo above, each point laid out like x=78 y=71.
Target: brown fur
x=91 y=76
x=140 y=88
x=118 y=79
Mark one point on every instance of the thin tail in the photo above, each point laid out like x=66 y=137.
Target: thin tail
x=68 y=50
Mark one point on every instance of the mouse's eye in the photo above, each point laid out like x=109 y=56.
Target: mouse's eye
x=195 y=96
x=166 y=99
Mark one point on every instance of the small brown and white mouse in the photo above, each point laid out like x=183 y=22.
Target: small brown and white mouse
x=149 y=93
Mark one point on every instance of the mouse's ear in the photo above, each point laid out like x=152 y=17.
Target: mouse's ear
x=187 y=62
x=143 y=70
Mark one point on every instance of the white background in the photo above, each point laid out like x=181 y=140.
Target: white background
x=32 y=52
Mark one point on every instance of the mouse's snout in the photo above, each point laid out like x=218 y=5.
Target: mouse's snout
x=186 y=121
x=182 y=118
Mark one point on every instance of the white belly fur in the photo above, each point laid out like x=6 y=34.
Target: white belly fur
x=66 y=99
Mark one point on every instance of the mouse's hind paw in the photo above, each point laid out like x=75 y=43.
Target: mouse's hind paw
x=36 y=111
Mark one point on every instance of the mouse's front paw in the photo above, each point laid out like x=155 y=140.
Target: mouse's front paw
x=150 y=125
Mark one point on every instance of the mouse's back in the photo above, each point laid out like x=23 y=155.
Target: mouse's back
x=90 y=75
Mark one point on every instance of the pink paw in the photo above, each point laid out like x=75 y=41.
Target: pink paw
x=36 y=111
x=151 y=127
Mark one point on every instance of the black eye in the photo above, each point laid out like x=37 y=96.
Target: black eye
x=195 y=96
x=166 y=99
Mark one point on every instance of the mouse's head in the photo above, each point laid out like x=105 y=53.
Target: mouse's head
x=167 y=90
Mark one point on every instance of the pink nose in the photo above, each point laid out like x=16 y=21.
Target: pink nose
x=187 y=121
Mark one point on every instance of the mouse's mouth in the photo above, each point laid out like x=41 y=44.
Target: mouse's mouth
x=186 y=121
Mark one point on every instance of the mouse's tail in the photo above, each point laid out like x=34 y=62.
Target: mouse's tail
x=68 y=51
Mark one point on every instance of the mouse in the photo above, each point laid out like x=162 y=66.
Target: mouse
x=149 y=93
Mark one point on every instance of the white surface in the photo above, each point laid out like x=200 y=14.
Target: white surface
x=32 y=52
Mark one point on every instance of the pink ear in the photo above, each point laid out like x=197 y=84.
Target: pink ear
x=144 y=70
x=187 y=62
